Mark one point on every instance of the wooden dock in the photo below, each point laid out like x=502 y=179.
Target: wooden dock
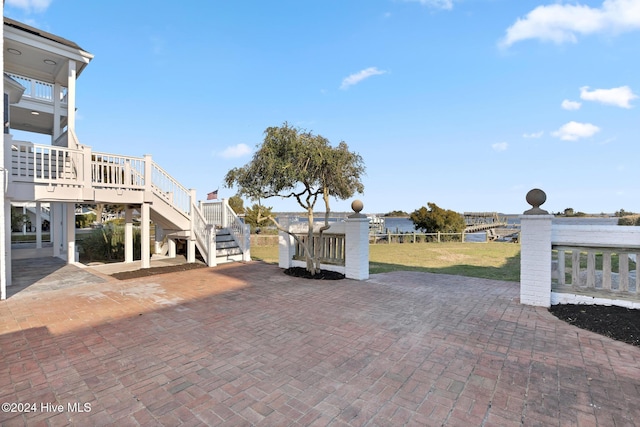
x=481 y=221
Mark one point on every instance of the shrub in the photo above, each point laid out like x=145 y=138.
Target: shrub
x=107 y=244
x=85 y=220
x=629 y=220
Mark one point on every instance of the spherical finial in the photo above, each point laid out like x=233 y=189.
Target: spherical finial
x=536 y=198
x=357 y=206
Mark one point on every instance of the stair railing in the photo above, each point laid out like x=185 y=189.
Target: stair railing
x=220 y=214
x=167 y=188
x=239 y=230
x=205 y=236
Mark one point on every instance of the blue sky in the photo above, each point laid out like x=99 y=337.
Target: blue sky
x=464 y=103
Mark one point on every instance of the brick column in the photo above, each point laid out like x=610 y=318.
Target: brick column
x=535 y=259
x=285 y=245
x=357 y=247
x=535 y=252
x=357 y=244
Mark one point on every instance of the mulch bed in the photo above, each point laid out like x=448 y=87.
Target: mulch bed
x=321 y=275
x=619 y=323
x=144 y=272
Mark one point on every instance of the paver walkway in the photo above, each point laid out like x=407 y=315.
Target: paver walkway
x=246 y=345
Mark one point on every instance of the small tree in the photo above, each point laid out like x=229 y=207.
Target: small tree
x=292 y=163
x=237 y=204
x=255 y=213
x=435 y=219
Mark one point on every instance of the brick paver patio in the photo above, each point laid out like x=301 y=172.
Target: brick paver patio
x=246 y=345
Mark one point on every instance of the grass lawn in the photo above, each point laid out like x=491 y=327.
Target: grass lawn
x=500 y=261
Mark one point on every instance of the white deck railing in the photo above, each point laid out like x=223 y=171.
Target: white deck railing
x=39 y=90
x=44 y=164
x=115 y=171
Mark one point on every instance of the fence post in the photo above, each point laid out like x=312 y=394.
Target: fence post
x=212 y=260
x=246 y=250
x=225 y=205
x=357 y=244
x=535 y=252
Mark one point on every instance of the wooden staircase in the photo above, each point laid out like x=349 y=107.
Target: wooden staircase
x=227 y=249
x=45 y=173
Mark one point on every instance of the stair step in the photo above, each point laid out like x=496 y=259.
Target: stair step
x=228 y=251
x=224 y=238
x=227 y=259
x=226 y=245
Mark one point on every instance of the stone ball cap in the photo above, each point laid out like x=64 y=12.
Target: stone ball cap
x=357 y=206
x=536 y=198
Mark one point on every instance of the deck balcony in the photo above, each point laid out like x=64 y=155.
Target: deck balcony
x=45 y=173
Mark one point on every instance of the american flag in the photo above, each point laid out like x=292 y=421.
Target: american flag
x=213 y=195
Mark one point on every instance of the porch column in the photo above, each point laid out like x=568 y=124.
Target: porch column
x=38 y=225
x=71 y=100
x=5 y=242
x=24 y=223
x=5 y=214
x=128 y=234
x=57 y=117
x=172 y=248
x=55 y=228
x=191 y=250
x=145 y=234
x=70 y=228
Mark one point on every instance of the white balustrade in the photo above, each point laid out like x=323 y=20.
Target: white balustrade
x=44 y=164
x=115 y=171
x=577 y=264
x=330 y=247
x=36 y=89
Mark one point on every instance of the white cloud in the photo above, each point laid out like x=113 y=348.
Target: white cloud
x=437 y=4
x=571 y=105
x=561 y=23
x=573 y=131
x=500 y=146
x=235 y=151
x=29 y=5
x=533 y=135
x=360 y=76
x=618 y=96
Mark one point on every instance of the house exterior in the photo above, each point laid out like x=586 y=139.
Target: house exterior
x=40 y=71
